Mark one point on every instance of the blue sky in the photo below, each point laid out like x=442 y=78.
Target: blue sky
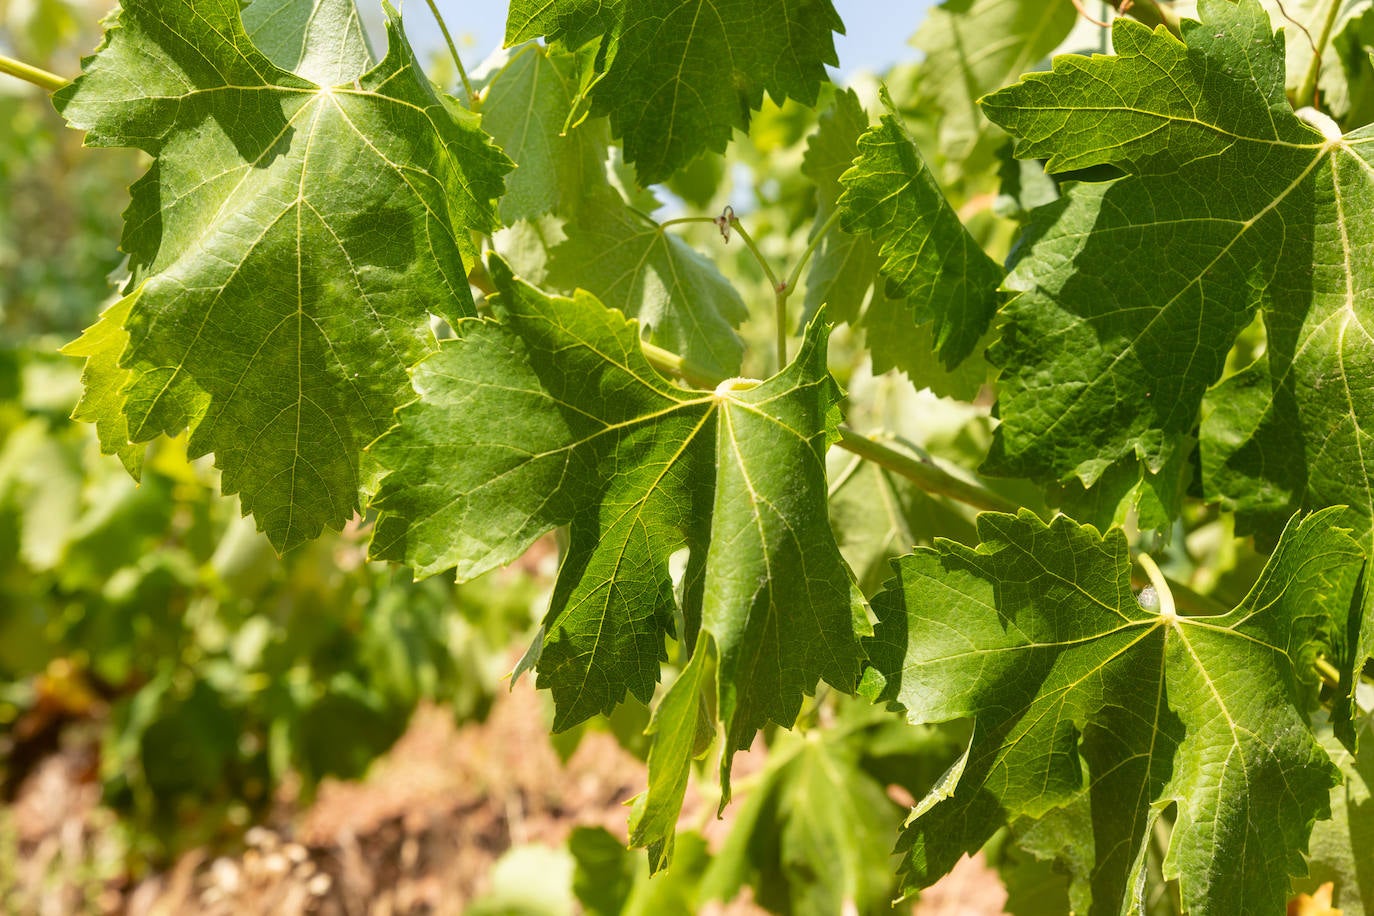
x=876 y=30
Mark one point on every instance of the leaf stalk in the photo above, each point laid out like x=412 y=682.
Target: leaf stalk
x=1165 y=595
x=795 y=276
x=473 y=101
x=1307 y=89
x=49 y=82
x=780 y=290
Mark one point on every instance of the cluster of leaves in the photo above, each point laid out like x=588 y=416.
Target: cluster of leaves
x=1167 y=269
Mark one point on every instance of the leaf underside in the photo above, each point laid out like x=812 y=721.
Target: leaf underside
x=278 y=307
x=928 y=257
x=676 y=78
x=552 y=416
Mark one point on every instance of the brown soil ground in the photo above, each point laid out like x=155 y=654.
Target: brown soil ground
x=418 y=836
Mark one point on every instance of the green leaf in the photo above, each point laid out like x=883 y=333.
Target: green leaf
x=682 y=727
x=677 y=78
x=1086 y=703
x=553 y=416
x=1339 y=851
x=529 y=880
x=814 y=834
x=319 y=40
x=41 y=483
x=632 y=264
x=613 y=881
x=972 y=47
x=1302 y=22
x=102 y=344
x=1133 y=290
x=572 y=22
x=1347 y=78
x=279 y=307
x=844 y=274
x=928 y=256
x=526 y=109
x=845 y=266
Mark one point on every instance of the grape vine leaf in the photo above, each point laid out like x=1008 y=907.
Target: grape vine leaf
x=845 y=272
x=1302 y=22
x=632 y=264
x=845 y=265
x=1132 y=290
x=102 y=379
x=972 y=47
x=1349 y=93
x=677 y=78
x=683 y=727
x=279 y=307
x=928 y=256
x=1084 y=701
x=553 y=416
x=611 y=880
x=526 y=108
x=1339 y=851
x=600 y=243
x=814 y=835
x=319 y=40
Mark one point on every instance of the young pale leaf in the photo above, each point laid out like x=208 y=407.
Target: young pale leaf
x=929 y=258
x=631 y=264
x=1340 y=847
x=553 y=416
x=278 y=306
x=1133 y=290
x=103 y=379
x=682 y=727
x=1085 y=701
x=1339 y=850
x=676 y=78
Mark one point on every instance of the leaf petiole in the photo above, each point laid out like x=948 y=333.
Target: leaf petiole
x=473 y=102
x=1307 y=90
x=1329 y=675
x=41 y=78
x=795 y=277
x=1160 y=586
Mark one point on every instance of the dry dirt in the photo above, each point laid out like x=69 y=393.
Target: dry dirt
x=418 y=836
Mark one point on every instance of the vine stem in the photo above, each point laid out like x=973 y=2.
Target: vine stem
x=1307 y=90
x=1163 y=592
x=782 y=290
x=49 y=82
x=795 y=277
x=453 y=50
